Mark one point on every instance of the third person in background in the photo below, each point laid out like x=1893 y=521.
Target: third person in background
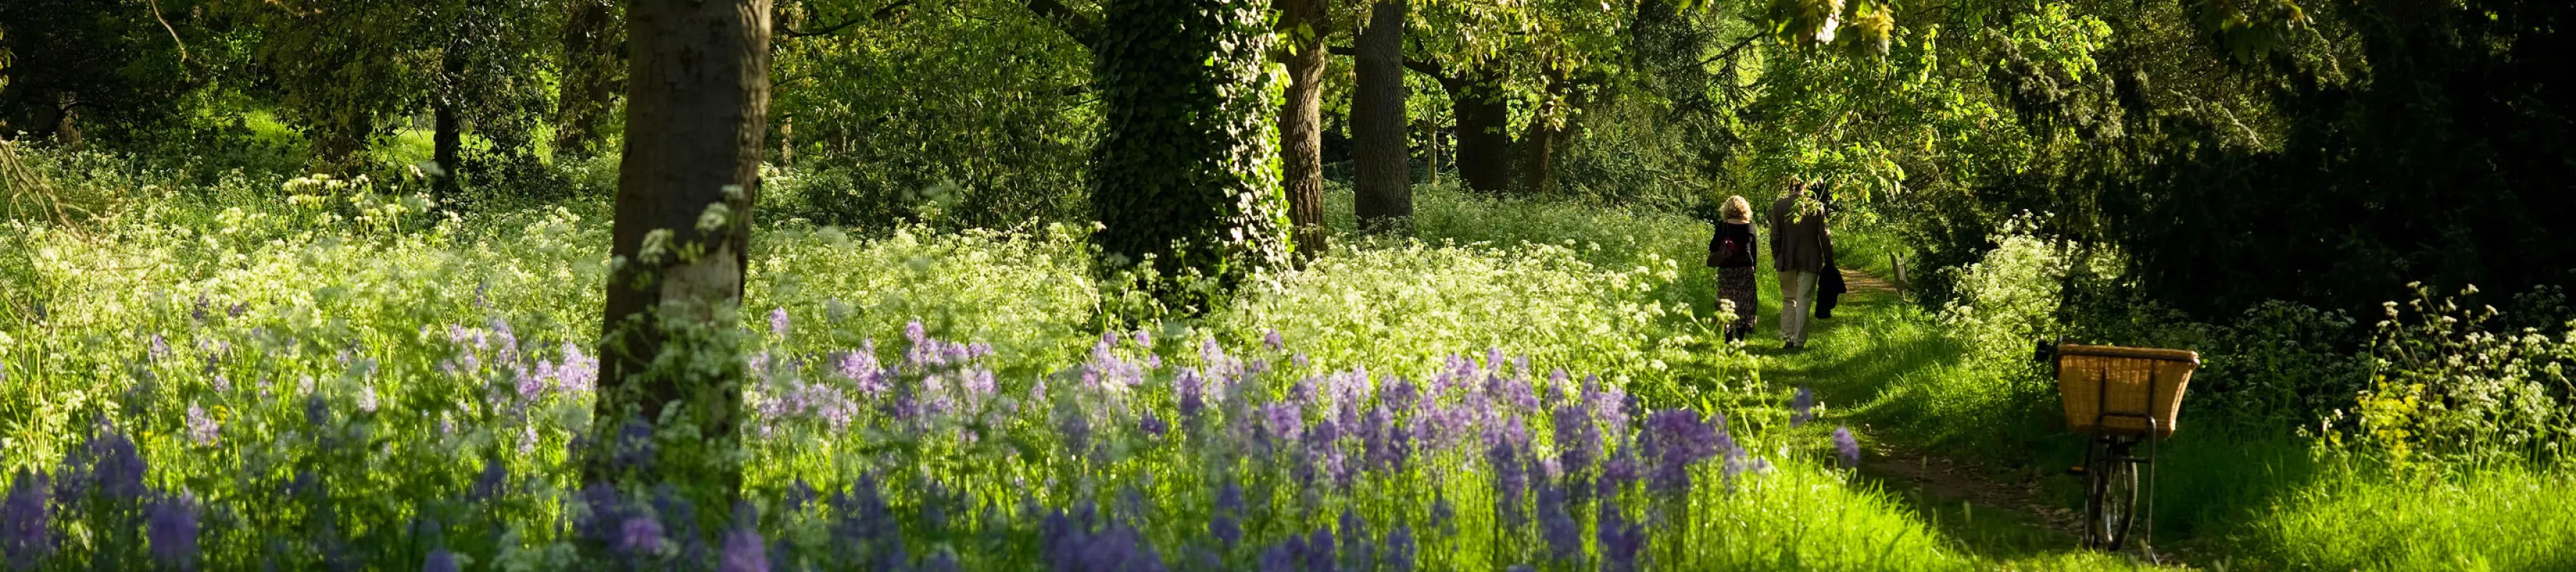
x=1797 y=253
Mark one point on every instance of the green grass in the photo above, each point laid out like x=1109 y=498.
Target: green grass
x=2355 y=519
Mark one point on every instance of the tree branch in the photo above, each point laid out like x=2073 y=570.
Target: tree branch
x=1418 y=66
x=1730 y=50
x=1067 y=19
x=879 y=14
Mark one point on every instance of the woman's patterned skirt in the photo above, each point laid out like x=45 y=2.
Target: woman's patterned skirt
x=1738 y=285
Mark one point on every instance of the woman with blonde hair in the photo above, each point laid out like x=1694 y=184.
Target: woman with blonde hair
x=1731 y=252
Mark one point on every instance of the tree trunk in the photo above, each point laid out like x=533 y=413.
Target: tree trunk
x=1484 y=147
x=589 y=86
x=697 y=109
x=1431 y=141
x=1304 y=26
x=447 y=132
x=1384 y=189
x=1182 y=175
x=1538 y=154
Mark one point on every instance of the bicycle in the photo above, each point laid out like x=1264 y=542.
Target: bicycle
x=2122 y=397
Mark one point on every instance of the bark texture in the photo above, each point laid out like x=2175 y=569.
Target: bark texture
x=697 y=109
x=1304 y=25
x=1484 y=144
x=1384 y=189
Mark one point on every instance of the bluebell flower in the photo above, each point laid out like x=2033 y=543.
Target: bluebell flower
x=778 y=322
x=1400 y=549
x=1319 y=549
x=1227 y=528
x=1271 y=339
x=944 y=561
x=172 y=527
x=743 y=549
x=1444 y=515
x=1621 y=540
x=1845 y=448
x=491 y=483
x=25 y=536
x=799 y=493
x=1578 y=440
x=202 y=428
x=1356 y=551
x=317 y=412
x=160 y=347
x=1285 y=421
x=604 y=516
x=634 y=449
x=1152 y=425
x=1187 y=389
x=1282 y=557
x=1509 y=482
x=639 y=535
x=1556 y=525
x=116 y=466
x=1802 y=407
x=440 y=560
x=1675 y=440
x=1076 y=428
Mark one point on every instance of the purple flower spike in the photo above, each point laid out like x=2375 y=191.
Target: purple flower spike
x=1564 y=536
x=1444 y=515
x=1153 y=425
x=202 y=428
x=1845 y=448
x=743 y=552
x=640 y=535
x=440 y=560
x=1278 y=558
x=1319 y=549
x=1509 y=482
x=118 y=467
x=1802 y=408
x=24 y=535
x=1400 y=547
x=173 y=530
x=1272 y=340
x=778 y=322
x=1355 y=546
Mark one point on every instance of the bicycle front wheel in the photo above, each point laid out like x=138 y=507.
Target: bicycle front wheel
x=2112 y=496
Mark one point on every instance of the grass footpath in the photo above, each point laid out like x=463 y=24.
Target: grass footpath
x=1971 y=451
x=1851 y=361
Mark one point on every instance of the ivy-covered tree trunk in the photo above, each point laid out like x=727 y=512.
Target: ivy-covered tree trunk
x=590 y=71
x=1187 y=174
x=447 y=130
x=1484 y=147
x=1301 y=120
x=697 y=109
x=1383 y=193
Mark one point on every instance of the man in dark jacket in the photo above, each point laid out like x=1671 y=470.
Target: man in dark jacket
x=1797 y=253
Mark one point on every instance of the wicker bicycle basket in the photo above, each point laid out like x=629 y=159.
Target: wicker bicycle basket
x=2122 y=388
